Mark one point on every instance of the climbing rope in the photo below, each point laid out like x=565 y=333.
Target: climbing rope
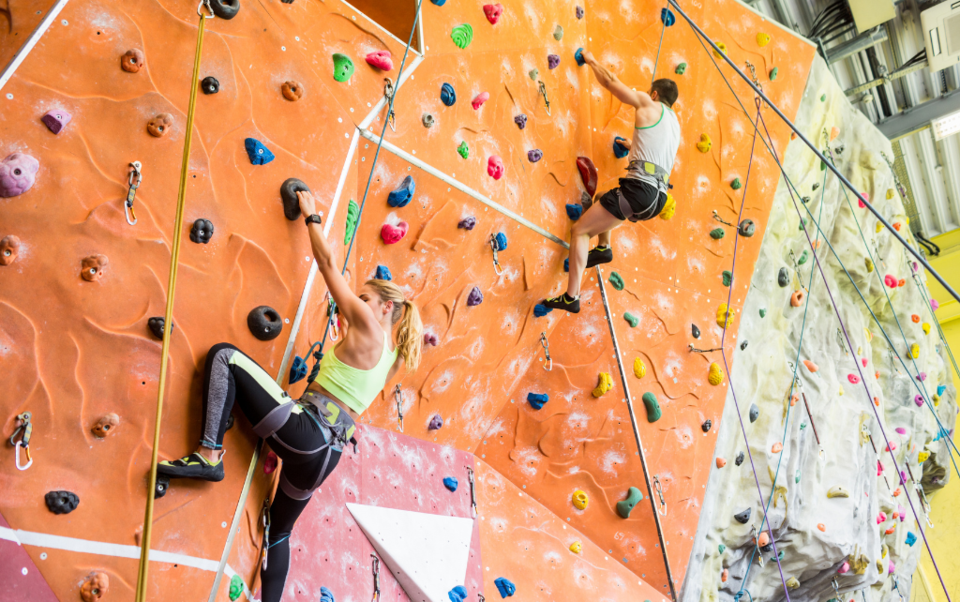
x=141 y=594
x=666 y=19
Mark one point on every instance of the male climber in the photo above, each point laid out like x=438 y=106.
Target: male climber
x=642 y=192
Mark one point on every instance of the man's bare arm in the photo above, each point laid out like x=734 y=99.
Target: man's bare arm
x=620 y=90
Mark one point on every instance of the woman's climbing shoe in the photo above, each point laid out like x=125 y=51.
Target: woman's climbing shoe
x=193 y=466
x=564 y=302
x=598 y=255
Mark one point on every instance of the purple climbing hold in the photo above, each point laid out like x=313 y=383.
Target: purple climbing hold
x=17 y=174
x=918 y=400
x=520 y=120
x=534 y=155
x=436 y=421
x=579 y=12
x=467 y=223
x=430 y=339
x=56 y=120
x=553 y=61
x=541 y=310
x=475 y=297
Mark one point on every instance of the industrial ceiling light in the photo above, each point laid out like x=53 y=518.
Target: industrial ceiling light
x=946 y=126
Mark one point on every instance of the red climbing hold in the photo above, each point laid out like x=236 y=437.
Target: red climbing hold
x=495 y=167
x=479 y=99
x=270 y=463
x=853 y=378
x=381 y=60
x=493 y=12
x=588 y=172
x=393 y=234
x=890 y=281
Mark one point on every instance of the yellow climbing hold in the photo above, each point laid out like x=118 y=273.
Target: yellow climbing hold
x=606 y=383
x=914 y=351
x=580 y=499
x=869 y=335
x=879 y=227
x=841 y=390
x=576 y=547
x=869 y=264
x=926 y=328
x=793 y=583
x=763 y=39
x=669 y=208
x=724 y=316
x=838 y=492
x=723 y=49
x=889 y=194
x=705 y=143
x=922 y=456
x=715 y=377
x=936 y=400
x=639 y=368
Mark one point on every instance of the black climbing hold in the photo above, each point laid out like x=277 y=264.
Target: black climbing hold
x=61 y=502
x=743 y=345
x=754 y=412
x=448 y=95
x=160 y=489
x=695 y=331
x=202 y=231
x=265 y=323
x=816 y=185
x=229 y=422
x=467 y=223
x=767 y=547
x=225 y=9
x=209 y=85
x=155 y=324
x=288 y=194
x=747 y=228
x=743 y=517
x=739 y=459
x=783 y=277
x=706 y=425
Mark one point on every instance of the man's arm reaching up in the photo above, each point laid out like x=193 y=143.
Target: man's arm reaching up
x=620 y=90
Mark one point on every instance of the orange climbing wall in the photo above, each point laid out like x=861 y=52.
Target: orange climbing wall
x=75 y=350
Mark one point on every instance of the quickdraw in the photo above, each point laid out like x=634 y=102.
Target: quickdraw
x=333 y=314
x=376 y=577
x=717 y=217
x=548 y=361
x=496 y=262
x=753 y=75
x=24 y=428
x=473 y=488
x=841 y=343
x=695 y=350
x=265 y=521
x=398 y=395
x=756 y=544
x=388 y=92
x=662 y=509
x=542 y=91
x=134 y=179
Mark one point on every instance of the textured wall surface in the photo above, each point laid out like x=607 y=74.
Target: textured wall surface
x=872 y=522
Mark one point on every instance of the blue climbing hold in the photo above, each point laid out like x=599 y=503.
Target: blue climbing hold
x=450 y=483
x=911 y=538
x=439 y=2
x=941 y=389
x=505 y=587
x=537 y=399
x=574 y=211
x=458 y=594
x=501 y=241
x=298 y=371
x=325 y=594
x=578 y=55
x=258 y=153
x=448 y=95
x=383 y=273
x=667 y=17
x=566 y=265
x=541 y=310
x=403 y=193
x=619 y=150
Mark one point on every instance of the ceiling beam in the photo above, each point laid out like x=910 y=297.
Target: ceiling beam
x=919 y=117
x=857 y=44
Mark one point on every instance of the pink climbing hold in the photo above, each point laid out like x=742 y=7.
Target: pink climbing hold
x=864 y=361
x=17 y=174
x=863 y=199
x=380 y=59
x=934 y=304
x=479 y=99
x=879 y=468
x=493 y=12
x=881 y=517
x=853 y=378
x=393 y=234
x=918 y=400
x=56 y=120
x=902 y=511
x=892 y=446
x=844 y=568
x=900 y=430
x=430 y=339
x=495 y=167
x=892 y=568
x=890 y=281
x=922 y=376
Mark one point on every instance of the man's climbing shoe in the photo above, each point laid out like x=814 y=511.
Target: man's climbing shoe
x=598 y=255
x=193 y=466
x=564 y=302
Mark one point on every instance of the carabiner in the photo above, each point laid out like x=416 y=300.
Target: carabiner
x=662 y=509
x=543 y=92
x=376 y=577
x=548 y=362
x=717 y=217
x=388 y=92
x=496 y=262
x=398 y=395
x=473 y=488
x=29 y=459
x=205 y=3
x=334 y=316
x=134 y=178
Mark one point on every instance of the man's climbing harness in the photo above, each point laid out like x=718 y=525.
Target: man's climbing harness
x=548 y=361
x=473 y=488
x=376 y=577
x=23 y=428
x=398 y=395
x=542 y=91
x=134 y=179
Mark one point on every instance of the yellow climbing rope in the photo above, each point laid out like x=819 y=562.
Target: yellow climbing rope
x=168 y=314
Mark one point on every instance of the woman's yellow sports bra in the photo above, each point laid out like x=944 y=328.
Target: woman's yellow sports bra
x=354 y=387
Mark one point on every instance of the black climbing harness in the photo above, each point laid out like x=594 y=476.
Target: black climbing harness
x=24 y=428
x=134 y=179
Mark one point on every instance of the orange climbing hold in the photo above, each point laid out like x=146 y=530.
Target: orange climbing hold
x=796 y=299
x=777 y=447
x=915 y=318
x=811 y=366
x=794 y=399
x=897 y=226
x=721 y=462
x=724 y=576
x=822 y=526
x=834 y=132
x=763 y=539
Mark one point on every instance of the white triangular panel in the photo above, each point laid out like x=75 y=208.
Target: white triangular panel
x=426 y=553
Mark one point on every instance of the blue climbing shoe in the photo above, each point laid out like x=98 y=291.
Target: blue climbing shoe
x=598 y=255
x=193 y=466
x=570 y=304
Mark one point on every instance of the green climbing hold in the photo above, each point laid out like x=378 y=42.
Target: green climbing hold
x=803 y=223
x=803 y=258
x=653 y=408
x=823 y=98
x=717 y=233
x=534 y=74
x=625 y=507
x=780 y=555
x=763 y=312
x=774 y=73
x=796 y=479
x=462 y=35
x=353 y=211
x=463 y=149
x=236 y=587
x=558 y=33
x=823 y=166
x=736 y=185
x=681 y=69
x=342 y=67
x=721 y=548
x=633 y=320
x=727 y=277
x=803 y=425
x=616 y=281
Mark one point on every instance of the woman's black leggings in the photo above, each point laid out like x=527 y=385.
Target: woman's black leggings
x=232 y=376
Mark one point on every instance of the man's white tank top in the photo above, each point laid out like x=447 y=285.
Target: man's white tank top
x=657 y=144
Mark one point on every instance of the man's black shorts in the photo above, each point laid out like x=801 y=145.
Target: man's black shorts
x=642 y=201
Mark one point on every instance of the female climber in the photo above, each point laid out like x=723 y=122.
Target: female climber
x=643 y=189
x=308 y=435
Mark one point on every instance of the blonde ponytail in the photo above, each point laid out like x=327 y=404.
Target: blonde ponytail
x=410 y=332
